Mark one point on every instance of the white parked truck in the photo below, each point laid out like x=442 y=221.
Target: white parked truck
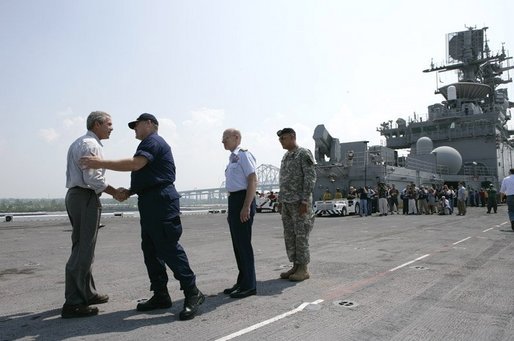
x=265 y=204
x=338 y=207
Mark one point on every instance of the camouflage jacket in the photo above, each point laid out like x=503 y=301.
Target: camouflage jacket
x=297 y=176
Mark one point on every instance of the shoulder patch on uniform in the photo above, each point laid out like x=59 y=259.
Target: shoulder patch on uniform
x=243 y=150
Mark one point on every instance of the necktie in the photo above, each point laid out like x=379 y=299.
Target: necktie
x=233 y=157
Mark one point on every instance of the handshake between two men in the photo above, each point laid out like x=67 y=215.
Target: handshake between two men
x=94 y=162
x=121 y=194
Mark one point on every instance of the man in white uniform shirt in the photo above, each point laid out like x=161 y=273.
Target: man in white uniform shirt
x=507 y=189
x=241 y=183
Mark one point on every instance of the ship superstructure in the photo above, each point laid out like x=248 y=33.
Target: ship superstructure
x=473 y=116
x=463 y=138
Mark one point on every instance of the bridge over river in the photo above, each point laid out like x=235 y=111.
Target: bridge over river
x=267 y=176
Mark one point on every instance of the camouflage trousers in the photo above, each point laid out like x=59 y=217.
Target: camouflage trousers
x=296 y=232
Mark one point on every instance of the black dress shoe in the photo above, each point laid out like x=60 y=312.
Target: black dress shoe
x=98 y=299
x=78 y=310
x=157 y=301
x=228 y=291
x=240 y=293
x=191 y=304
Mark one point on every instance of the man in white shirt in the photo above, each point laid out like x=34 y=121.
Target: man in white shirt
x=507 y=190
x=84 y=208
x=241 y=183
x=462 y=195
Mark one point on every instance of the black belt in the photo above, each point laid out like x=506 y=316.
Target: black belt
x=82 y=188
x=237 y=192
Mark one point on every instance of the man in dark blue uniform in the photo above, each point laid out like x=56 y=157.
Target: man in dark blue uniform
x=241 y=183
x=152 y=179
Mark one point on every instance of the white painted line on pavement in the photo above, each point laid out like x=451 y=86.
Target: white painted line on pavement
x=271 y=320
x=462 y=240
x=489 y=229
x=412 y=261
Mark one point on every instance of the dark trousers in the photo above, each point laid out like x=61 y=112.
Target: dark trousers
x=393 y=204
x=492 y=204
x=510 y=207
x=241 y=234
x=405 y=208
x=161 y=229
x=84 y=210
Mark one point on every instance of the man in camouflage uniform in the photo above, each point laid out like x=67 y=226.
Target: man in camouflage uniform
x=297 y=178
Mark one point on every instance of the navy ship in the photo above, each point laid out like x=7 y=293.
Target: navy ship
x=463 y=138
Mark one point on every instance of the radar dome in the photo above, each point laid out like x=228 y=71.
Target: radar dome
x=424 y=145
x=449 y=158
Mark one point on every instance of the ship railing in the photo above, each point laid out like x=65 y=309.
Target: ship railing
x=426 y=166
x=470 y=129
x=476 y=170
x=374 y=160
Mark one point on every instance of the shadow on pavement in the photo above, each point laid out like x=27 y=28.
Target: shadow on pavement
x=48 y=325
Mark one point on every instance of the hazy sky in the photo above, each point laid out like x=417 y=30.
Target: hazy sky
x=203 y=66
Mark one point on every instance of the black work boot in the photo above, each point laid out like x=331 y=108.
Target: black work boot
x=194 y=298
x=160 y=300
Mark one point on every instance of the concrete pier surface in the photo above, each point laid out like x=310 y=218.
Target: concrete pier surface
x=373 y=278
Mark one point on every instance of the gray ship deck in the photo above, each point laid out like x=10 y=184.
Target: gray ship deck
x=375 y=278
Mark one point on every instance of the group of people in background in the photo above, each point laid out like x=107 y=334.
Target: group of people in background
x=152 y=170
x=413 y=200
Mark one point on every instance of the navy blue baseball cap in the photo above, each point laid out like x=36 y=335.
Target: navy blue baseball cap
x=143 y=117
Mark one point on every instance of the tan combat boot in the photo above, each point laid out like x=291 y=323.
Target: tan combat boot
x=285 y=275
x=300 y=274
